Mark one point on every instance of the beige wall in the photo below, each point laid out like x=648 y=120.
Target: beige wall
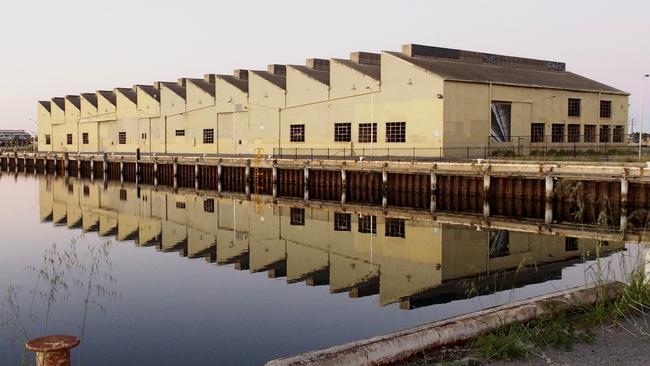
x=44 y=126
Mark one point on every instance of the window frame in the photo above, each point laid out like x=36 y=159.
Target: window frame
x=367 y=133
x=589 y=133
x=574 y=107
x=367 y=224
x=208 y=135
x=48 y=139
x=68 y=139
x=297 y=133
x=555 y=136
x=395 y=227
x=396 y=132
x=618 y=134
x=121 y=138
x=179 y=133
x=604 y=134
x=605 y=109
x=573 y=136
x=297 y=216
x=535 y=135
x=342 y=221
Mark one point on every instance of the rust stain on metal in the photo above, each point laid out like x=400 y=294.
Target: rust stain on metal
x=53 y=350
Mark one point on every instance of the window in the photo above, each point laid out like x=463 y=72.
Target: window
x=122 y=194
x=557 y=132
x=84 y=138
x=180 y=132
x=121 y=138
x=536 y=132
x=590 y=133
x=499 y=243
x=574 y=107
x=573 y=133
x=208 y=136
x=342 y=221
x=208 y=205
x=48 y=139
x=396 y=132
x=180 y=205
x=342 y=132
x=69 y=139
x=144 y=135
x=367 y=131
x=297 y=133
x=70 y=188
x=618 y=134
x=605 y=109
x=500 y=126
x=570 y=244
x=86 y=191
x=368 y=224
x=604 y=133
x=395 y=228
x=297 y=216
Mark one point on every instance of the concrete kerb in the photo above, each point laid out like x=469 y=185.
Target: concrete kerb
x=390 y=348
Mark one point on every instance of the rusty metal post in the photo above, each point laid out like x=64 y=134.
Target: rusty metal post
x=384 y=189
x=623 y=204
x=344 y=185
x=175 y=173
x=92 y=168
x=247 y=178
x=197 y=171
x=52 y=350
x=66 y=164
x=219 y=173
x=137 y=166
x=433 y=182
x=305 y=176
x=121 y=169
x=548 y=188
x=155 y=173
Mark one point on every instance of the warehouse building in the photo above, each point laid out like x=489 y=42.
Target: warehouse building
x=424 y=100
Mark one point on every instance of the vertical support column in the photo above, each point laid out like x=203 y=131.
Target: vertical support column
x=155 y=173
x=197 y=170
x=24 y=164
x=92 y=168
x=175 y=172
x=344 y=185
x=274 y=180
x=623 y=204
x=548 y=189
x=433 y=182
x=79 y=166
x=121 y=169
x=305 y=176
x=384 y=189
x=219 y=171
x=105 y=165
x=247 y=178
x=487 y=180
x=35 y=164
x=66 y=164
x=137 y=166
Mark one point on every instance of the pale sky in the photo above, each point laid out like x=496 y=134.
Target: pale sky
x=54 y=48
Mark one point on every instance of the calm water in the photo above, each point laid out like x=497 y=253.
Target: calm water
x=186 y=279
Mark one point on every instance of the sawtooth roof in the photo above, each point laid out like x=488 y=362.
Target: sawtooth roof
x=479 y=73
x=318 y=75
x=46 y=104
x=279 y=81
x=75 y=100
x=108 y=95
x=203 y=85
x=240 y=84
x=373 y=71
x=129 y=93
x=91 y=98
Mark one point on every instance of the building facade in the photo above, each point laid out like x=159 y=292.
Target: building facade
x=424 y=100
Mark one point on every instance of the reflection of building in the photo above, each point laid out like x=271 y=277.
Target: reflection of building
x=404 y=260
x=422 y=97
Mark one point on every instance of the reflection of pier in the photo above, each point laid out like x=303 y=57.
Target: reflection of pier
x=402 y=255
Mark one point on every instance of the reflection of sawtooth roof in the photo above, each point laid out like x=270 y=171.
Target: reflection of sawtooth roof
x=60 y=102
x=45 y=104
x=318 y=75
x=279 y=81
x=109 y=95
x=237 y=83
x=91 y=98
x=75 y=100
x=203 y=85
x=151 y=91
x=129 y=93
x=481 y=73
x=177 y=89
x=373 y=71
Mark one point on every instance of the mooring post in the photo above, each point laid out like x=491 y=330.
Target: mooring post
x=305 y=176
x=219 y=171
x=433 y=182
x=79 y=166
x=247 y=178
x=121 y=169
x=66 y=163
x=155 y=173
x=344 y=184
x=486 y=209
x=137 y=166
x=105 y=164
x=623 y=203
x=175 y=172
x=53 y=350
x=92 y=168
x=384 y=189
x=548 y=189
x=197 y=184
x=486 y=185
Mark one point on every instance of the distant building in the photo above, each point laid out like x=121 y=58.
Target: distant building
x=431 y=99
x=14 y=137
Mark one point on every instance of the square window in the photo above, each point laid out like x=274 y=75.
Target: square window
x=536 y=132
x=574 y=107
x=121 y=138
x=122 y=194
x=343 y=132
x=605 y=109
x=69 y=139
x=297 y=133
x=297 y=216
x=367 y=132
x=342 y=221
x=557 y=132
x=618 y=133
x=590 y=133
x=84 y=138
x=180 y=132
x=208 y=205
x=570 y=244
x=208 y=136
x=605 y=133
x=144 y=135
x=395 y=228
x=48 y=139
x=180 y=205
x=500 y=124
x=573 y=133
x=367 y=224
x=396 y=132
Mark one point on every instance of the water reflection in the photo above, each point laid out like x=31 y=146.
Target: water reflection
x=413 y=262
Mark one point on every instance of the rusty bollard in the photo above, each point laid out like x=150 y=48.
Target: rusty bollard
x=52 y=350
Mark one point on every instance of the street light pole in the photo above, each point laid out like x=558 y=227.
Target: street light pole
x=641 y=107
